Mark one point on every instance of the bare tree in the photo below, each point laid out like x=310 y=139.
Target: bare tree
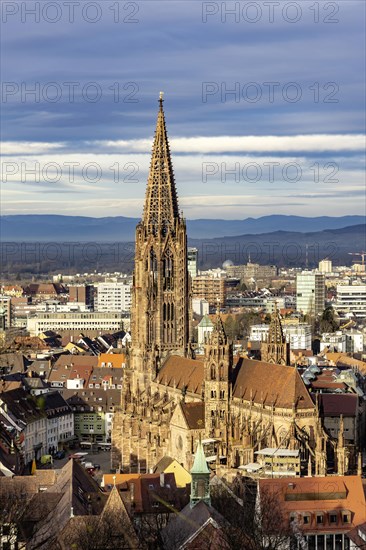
x=106 y=532
x=253 y=523
x=14 y=499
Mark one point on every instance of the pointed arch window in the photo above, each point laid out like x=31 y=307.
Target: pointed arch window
x=168 y=270
x=153 y=266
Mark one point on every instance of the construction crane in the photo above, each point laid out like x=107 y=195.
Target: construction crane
x=362 y=254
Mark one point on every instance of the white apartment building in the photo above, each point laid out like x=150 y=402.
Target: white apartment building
x=113 y=296
x=192 y=256
x=56 y=307
x=30 y=423
x=298 y=335
x=351 y=299
x=60 y=420
x=346 y=342
x=104 y=322
x=325 y=266
x=310 y=292
x=200 y=306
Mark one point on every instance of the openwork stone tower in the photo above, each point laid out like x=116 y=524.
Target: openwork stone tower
x=159 y=316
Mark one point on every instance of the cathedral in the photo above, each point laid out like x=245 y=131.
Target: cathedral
x=170 y=397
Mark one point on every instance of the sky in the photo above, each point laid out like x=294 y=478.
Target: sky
x=264 y=103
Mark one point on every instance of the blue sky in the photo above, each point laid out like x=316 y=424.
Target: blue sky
x=289 y=140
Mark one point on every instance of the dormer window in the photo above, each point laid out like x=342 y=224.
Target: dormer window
x=346 y=516
x=306 y=519
x=333 y=516
x=319 y=519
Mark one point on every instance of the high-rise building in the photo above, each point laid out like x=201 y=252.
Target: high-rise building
x=159 y=315
x=83 y=293
x=209 y=288
x=325 y=266
x=310 y=292
x=192 y=257
x=113 y=297
x=351 y=299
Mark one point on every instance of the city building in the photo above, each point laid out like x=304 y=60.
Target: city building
x=27 y=420
x=5 y=304
x=298 y=335
x=325 y=266
x=322 y=511
x=192 y=261
x=351 y=299
x=252 y=272
x=81 y=322
x=209 y=288
x=310 y=293
x=60 y=420
x=200 y=306
x=113 y=296
x=82 y=293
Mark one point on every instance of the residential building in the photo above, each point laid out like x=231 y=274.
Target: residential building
x=5 y=304
x=94 y=411
x=200 y=306
x=114 y=296
x=325 y=266
x=310 y=293
x=320 y=510
x=192 y=261
x=27 y=418
x=60 y=420
x=82 y=293
x=351 y=299
x=208 y=288
x=298 y=335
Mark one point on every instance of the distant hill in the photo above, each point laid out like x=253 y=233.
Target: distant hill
x=46 y=228
x=281 y=248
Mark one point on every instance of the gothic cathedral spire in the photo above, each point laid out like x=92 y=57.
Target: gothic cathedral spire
x=275 y=349
x=159 y=315
x=161 y=203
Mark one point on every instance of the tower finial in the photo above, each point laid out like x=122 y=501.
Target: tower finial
x=161 y=96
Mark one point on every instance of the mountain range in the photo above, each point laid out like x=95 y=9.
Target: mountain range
x=56 y=228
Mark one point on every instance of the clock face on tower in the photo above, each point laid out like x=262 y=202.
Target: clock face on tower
x=179 y=442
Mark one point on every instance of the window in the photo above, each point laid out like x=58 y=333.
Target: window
x=306 y=519
x=345 y=517
x=319 y=519
x=333 y=518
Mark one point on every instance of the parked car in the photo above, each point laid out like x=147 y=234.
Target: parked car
x=59 y=455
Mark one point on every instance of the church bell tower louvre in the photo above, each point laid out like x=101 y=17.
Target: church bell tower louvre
x=160 y=301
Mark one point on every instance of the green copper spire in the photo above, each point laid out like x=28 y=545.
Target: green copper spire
x=200 y=485
x=200 y=463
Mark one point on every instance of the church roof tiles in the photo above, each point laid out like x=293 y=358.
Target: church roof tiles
x=182 y=372
x=272 y=384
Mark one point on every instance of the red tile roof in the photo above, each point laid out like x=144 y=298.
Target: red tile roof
x=271 y=384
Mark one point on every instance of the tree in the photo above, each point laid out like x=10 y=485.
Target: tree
x=328 y=321
x=14 y=499
x=110 y=531
x=253 y=523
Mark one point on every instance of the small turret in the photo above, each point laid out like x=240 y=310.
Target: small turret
x=200 y=484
